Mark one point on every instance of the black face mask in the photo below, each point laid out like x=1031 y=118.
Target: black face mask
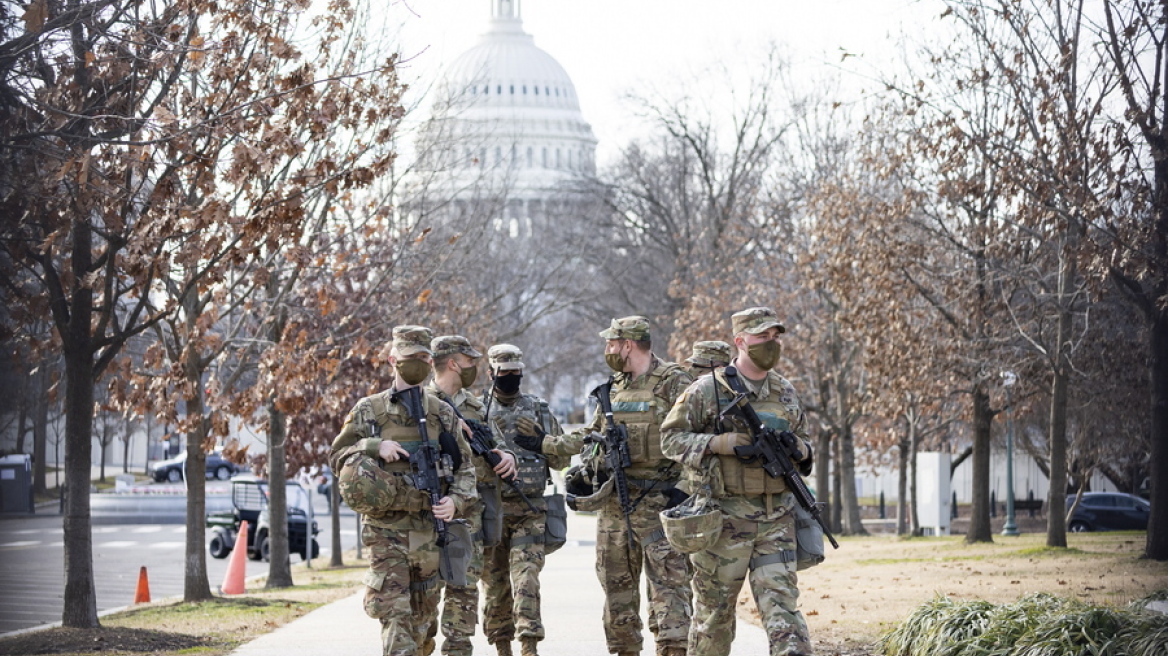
x=508 y=384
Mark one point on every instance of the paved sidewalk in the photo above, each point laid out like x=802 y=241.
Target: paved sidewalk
x=571 y=609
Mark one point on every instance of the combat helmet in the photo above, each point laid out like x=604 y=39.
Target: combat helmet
x=694 y=525
x=586 y=491
x=368 y=488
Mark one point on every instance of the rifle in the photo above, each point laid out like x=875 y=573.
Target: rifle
x=482 y=444
x=776 y=450
x=429 y=468
x=615 y=441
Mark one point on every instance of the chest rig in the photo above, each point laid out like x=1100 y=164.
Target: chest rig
x=747 y=478
x=532 y=468
x=406 y=434
x=638 y=409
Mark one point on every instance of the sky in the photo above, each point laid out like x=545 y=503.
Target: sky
x=613 y=47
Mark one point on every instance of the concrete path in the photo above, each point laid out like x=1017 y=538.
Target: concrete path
x=572 y=602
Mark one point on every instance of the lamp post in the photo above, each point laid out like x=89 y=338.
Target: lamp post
x=1010 y=528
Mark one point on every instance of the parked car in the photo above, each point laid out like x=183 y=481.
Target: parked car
x=249 y=500
x=217 y=467
x=1109 y=511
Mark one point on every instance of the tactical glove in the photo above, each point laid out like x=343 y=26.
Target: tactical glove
x=723 y=443
x=529 y=442
x=528 y=426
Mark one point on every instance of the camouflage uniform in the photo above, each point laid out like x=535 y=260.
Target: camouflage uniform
x=641 y=404
x=758 y=530
x=460 y=609
x=402 y=582
x=511 y=608
x=707 y=356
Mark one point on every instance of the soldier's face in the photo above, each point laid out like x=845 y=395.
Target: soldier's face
x=744 y=340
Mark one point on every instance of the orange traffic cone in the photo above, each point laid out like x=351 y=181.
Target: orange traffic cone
x=236 y=564
x=142 y=594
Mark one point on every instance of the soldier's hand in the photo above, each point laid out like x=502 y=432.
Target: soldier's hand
x=530 y=442
x=445 y=509
x=528 y=426
x=506 y=467
x=723 y=443
x=391 y=451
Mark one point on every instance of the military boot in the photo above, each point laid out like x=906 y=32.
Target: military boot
x=670 y=651
x=628 y=653
x=527 y=647
x=503 y=648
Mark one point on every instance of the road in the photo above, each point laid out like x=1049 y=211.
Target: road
x=32 y=556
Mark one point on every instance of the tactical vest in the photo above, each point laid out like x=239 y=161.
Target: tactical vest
x=406 y=436
x=532 y=475
x=637 y=410
x=749 y=478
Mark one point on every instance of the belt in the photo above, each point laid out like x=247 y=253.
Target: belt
x=784 y=556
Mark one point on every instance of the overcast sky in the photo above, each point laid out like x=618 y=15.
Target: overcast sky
x=610 y=47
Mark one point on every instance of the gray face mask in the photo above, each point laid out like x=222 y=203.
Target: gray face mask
x=412 y=372
x=765 y=355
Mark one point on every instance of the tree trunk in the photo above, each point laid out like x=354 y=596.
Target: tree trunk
x=852 y=523
x=902 y=483
x=195 y=585
x=837 y=512
x=337 y=558
x=21 y=420
x=1056 y=503
x=979 y=520
x=40 y=434
x=280 y=567
x=823 y=475
x=77 y=342
x=1157 y=546
x=103 y=444
x=126 y=443
x=914 y=516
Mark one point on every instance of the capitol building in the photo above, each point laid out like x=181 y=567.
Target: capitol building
x=506 y=126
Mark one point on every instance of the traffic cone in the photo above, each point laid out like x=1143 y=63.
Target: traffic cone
x=236 y=564
x=142 y=594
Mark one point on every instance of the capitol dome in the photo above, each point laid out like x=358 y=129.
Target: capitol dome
x=508 y=111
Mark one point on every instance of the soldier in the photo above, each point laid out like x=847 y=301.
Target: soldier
x=708 y=356
x=455 y=370
x=758 y=527
x=512 y=567
x=644 y=388
x=371 y=457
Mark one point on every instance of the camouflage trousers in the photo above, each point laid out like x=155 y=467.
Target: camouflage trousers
x=460 y=608
x=619 y=564
x=511 y=574
x=401 y=586
x=761 y=545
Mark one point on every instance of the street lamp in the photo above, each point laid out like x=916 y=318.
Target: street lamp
x=1010 y=528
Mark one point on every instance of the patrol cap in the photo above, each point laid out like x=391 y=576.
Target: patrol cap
x=408 y=340
x=505 y=357
x=635 y=328
x=755 y=320
x=451 y=344
x=705 y=354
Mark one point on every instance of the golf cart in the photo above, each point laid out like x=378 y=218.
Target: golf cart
x=249 y=500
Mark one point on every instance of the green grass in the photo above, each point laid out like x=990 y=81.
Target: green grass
x=1036 y=625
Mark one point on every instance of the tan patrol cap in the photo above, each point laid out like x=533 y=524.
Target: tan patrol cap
x=710 y=354
x=635 y=328
x=755 y=320
x=451 y=344
x=408 y=340
x=505 y=357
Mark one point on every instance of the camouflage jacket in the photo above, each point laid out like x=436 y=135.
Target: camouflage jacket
x=502 y=418
x=694 y=421
x=354 y=438
x=671 y=384
x=472 y=409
